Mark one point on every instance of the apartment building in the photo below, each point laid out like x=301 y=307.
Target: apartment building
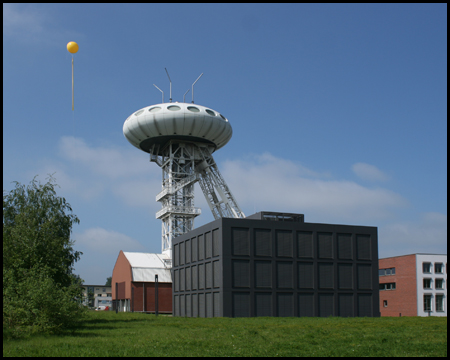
x=413 y=285
x=96 y=295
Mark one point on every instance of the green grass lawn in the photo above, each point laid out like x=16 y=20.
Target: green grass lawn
x=127 y=334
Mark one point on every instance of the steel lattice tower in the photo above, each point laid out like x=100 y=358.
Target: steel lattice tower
x=183 y=164
x=181 y=138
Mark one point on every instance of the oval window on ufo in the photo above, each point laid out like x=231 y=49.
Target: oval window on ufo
x=173 y=108
x=193 y=109
x=154 y=109
x=139 y=112
x=210 y=112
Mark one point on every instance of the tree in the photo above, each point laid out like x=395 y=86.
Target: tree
x=40 y=291
x=108 y=281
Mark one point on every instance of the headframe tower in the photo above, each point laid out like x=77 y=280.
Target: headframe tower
x=181 y=138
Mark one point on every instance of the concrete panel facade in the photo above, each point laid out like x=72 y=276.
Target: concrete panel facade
x=275 y=266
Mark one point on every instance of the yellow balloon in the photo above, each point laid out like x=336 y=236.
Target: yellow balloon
x=72 y=47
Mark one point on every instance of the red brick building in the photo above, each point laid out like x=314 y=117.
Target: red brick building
x=413 y=285
x=133 y=282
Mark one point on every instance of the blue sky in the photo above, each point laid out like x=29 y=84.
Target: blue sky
x=339 y=112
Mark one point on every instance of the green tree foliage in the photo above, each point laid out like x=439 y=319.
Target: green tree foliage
x=40 y=291
x=108 y=281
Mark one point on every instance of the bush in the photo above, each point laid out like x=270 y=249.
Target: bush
x=40 y=292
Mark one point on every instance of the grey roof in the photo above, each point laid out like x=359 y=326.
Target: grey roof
x=144 y=267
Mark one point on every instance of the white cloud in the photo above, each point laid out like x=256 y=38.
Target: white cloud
x=35 y=24
x=259 y=182
x=278 y=165
x=110 y=162
x=426 y=235
x=269 y=183
x=91 y=172
x=106 y=242
x=100 y=249
x=138 y=193
x=87 y=188
x=23 y=19
x=369 y=172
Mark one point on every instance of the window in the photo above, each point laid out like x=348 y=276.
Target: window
x=154 y=109
x=427 y=283
x=390 y=271
x=104 y=289
x=426 y=268
x=384 y=303
x=212 y=113
x=387 y=286
x=193 y=109
x=439 y=268
x=439 y=302
x=439 y=283
x=427 y=303
x=173 y=108
x=139 y=112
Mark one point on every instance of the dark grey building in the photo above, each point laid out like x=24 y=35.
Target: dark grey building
x=275 y=264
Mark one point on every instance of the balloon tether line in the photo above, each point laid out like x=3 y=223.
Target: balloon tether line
x=72 y=82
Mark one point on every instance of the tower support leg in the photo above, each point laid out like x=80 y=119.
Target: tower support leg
x=183 y=164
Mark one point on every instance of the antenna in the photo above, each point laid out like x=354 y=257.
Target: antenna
x=193 y=87
x=170 y=85
x=184 y=96
x=161 y=91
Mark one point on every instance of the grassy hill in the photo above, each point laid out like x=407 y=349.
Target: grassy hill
x=133 y=334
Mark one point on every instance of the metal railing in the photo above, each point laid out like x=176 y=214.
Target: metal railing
x=179 y=185
x=181 y=210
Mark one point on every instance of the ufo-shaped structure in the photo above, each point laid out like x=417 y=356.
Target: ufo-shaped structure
x=158 y=124
x=181 y=138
